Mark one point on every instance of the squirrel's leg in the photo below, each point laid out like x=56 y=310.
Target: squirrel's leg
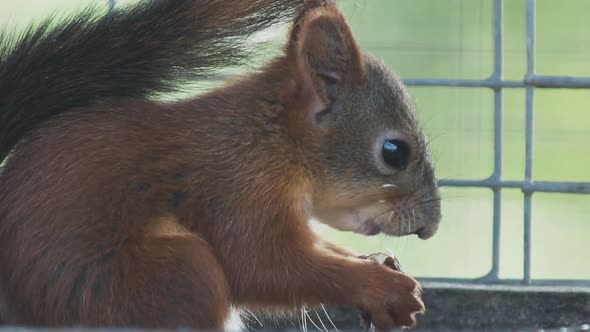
x=155 y=282
x=174 y=281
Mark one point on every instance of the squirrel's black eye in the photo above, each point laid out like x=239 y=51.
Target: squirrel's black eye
x=396 y=153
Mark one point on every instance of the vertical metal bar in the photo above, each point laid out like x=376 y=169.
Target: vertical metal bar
x=530 y=36
x=498 y=108
x=529 y=131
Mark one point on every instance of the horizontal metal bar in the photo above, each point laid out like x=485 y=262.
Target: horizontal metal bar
x=558 y=82
x=538 y=81
x=500 y=281
x=536 y=186
x=494 y=83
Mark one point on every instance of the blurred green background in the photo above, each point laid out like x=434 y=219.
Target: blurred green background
x=453 y=39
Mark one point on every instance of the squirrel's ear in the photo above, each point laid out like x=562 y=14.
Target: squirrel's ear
x=325 y=53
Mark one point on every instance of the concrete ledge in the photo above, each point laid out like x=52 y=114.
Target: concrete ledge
x=463 y=307
x=479 y=308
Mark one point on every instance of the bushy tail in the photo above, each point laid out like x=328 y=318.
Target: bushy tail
x=132 y=52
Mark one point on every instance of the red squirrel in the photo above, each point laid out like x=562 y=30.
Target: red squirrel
x=117 y=209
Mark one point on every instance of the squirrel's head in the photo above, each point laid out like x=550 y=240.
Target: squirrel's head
x=359 y=136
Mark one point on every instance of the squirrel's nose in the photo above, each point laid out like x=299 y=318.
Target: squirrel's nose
x=426 y=232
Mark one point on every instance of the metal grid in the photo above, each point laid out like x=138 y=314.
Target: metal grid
x=495 y=182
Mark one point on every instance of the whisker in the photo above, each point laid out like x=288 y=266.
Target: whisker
x=321 y=321
x=399 y=224
x=251 y=315
x=419 y=204
x=424 y=202
x=447 y=197
x=329 y=319
x=303 y=320
x=383 y=213
x=312 y=321
x=246 y=323
x=421 y=196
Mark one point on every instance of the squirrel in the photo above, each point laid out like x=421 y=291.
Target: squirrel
x=118 y=209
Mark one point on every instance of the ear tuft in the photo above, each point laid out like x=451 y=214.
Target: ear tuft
x=324 y=52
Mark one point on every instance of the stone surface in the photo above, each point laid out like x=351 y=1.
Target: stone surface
x=453 y=307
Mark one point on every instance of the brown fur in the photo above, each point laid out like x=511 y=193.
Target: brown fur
x=138 y=213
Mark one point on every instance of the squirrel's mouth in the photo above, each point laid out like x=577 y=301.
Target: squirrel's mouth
x=394 y=219
x=392 y=226
x=369 y=227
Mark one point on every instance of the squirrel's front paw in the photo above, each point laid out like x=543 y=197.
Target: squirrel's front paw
x=390 y=299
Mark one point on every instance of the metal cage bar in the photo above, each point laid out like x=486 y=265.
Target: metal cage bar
x=498 y=141
x=529 y=138
x=495 y=182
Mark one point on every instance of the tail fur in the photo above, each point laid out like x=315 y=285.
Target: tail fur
x=131 y=52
